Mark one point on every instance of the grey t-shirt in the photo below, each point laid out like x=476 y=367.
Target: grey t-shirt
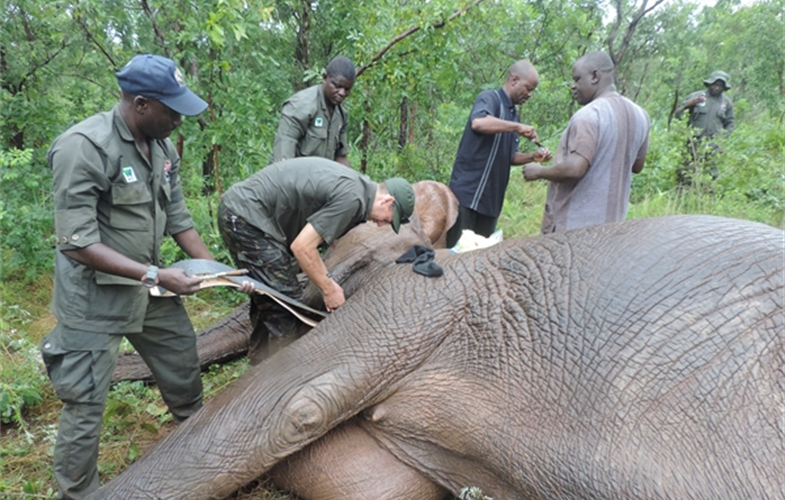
x=611 y=132
x=283 y=197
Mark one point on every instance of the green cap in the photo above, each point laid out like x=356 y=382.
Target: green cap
x=403 y=193
x=718 y=75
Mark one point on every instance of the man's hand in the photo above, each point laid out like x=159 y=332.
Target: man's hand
x=333 y=296
x=247 y=287
x=696 y=100
x=528 y=132
x=541 y=155
x=177 y=281
x=531 y=171
x=571 y=168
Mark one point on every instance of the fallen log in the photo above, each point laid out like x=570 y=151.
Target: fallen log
x=223 y=341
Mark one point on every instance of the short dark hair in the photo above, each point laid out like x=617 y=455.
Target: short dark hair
x=341 y=66
x=598 y=60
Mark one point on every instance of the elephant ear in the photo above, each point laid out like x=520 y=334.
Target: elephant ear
x=436 y=207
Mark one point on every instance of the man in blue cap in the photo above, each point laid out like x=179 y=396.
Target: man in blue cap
x=117 y=193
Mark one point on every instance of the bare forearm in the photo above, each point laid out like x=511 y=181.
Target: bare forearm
x=689 y=105
x=539 y=156
x=312 y=265
x=192 y=244
x=305 y=250
x=493 y=125
x=105 y=259
x=573 y=167
x=638 y=165
x=522 y=158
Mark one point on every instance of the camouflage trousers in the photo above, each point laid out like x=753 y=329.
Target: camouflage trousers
x=271 y=263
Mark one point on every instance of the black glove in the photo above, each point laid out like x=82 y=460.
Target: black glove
x=422 y=257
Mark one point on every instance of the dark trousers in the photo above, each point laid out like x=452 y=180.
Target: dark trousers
x=80 y=365
x=484 y=225
x=271 y=263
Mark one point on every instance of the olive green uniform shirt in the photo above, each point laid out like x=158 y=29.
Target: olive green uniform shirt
x=307 y=129
x=106 y=191
x=710 y=117
x=283 y=197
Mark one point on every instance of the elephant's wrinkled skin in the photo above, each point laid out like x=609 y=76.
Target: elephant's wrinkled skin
x=644 y=359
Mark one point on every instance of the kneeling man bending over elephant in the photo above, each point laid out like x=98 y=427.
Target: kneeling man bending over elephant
x=274 y=221
x=641 y=359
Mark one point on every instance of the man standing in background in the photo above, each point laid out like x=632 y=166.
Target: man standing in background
x=488 y=147
x=604 y=144
x=710 y=113
x=313 y=121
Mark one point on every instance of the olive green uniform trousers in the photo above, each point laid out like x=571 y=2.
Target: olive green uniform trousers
x=80 y=365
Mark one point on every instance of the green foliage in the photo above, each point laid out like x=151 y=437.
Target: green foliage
x=407 y=112
x=21 y=376
x=25 y=215
x=128 y=403
x=751 y=180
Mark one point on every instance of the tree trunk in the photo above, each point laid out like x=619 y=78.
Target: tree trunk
x=402 y=135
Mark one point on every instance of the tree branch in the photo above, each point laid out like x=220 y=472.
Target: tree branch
x=409 y=32
x=78 y=18
x=159 y=35
x=18 y=87
x=615 y=29
x=642 y=11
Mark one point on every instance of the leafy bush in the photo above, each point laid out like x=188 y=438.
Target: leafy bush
x=21 y=376
x=26 y=215
x=750 y=182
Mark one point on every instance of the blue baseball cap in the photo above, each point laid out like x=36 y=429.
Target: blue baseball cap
x=157 y=77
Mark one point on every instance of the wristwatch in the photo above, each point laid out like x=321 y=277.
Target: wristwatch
x=150 y=278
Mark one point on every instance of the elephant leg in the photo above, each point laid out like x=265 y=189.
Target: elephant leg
x=348 y=464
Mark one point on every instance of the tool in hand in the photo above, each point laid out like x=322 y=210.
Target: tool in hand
x=233 y=272
x=212 y=273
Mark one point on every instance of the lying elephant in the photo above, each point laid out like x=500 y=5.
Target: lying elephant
x=353 y=261
x=642 y=359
